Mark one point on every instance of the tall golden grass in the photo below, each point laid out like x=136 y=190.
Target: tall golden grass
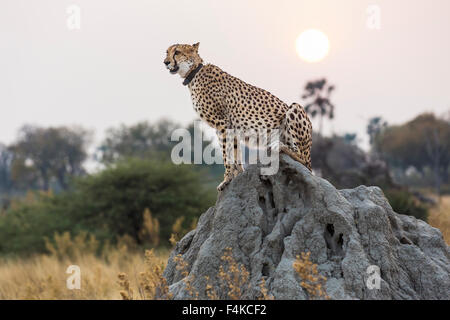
x=311 y=280
x=125 y=272
x=44 y=276
x=122 y=275
x=439 y=217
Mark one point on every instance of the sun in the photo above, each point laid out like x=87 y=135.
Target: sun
x=312 y=45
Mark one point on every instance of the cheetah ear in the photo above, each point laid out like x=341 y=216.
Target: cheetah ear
x=195 y=46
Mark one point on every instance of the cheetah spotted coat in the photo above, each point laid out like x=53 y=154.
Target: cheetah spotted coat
x=226 y=102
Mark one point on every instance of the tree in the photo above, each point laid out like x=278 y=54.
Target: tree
x=6 y=157
x=423 y=142
x=216 y=170
x=338 y=160
x=375 y=127
x=41 y=154
x=435 y=148
x=5 y=168
x=151 y=141
x=346 y=166
x=317 y=93
x=142 y=140
x=350 y=138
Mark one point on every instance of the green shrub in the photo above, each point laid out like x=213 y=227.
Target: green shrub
x=108 y=205
x=117 y=197
x=403 y=202
x=24 y=226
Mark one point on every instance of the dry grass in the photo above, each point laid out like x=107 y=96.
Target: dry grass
x=150 y=282
x=127 y=275
x=122 y=272
x=311 y=280
x=44 y=276
x=439 y=217
x=232 y=277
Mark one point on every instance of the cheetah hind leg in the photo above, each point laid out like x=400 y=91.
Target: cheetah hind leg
x=297 y=134
x=285 y=149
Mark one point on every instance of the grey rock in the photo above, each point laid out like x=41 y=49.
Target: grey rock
x=269 y=220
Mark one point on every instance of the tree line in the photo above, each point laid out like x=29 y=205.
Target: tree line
x=45 y=188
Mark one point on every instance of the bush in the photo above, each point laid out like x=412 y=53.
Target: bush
x=117 y=197
x=110 y=204
x=403 y=202
x=24 y=226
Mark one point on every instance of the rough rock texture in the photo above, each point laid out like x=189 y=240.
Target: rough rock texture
x=268 y=220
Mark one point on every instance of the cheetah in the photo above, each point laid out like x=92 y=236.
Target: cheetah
x=226 y=102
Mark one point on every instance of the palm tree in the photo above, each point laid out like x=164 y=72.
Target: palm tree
x=318 y=93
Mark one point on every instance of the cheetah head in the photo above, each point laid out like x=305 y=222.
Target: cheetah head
x=182 y=58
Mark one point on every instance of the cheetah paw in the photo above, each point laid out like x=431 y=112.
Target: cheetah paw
x=222 y=186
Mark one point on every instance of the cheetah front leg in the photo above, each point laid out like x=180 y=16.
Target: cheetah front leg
x=231 y=160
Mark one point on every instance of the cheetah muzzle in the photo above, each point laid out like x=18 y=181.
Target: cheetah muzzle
x=226 y=102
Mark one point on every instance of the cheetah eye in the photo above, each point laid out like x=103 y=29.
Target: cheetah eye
x=177 y=52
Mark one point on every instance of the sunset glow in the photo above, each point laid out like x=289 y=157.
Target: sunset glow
x=312 y=45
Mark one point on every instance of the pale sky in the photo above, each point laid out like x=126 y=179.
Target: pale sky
x=111 y=70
